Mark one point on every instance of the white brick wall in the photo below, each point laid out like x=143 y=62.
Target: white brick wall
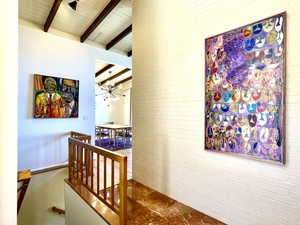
x=168 y=113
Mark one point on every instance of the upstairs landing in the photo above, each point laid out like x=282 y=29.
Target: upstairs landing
x=147 y=207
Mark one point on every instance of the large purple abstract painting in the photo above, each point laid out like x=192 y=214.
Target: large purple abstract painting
x=244 y=90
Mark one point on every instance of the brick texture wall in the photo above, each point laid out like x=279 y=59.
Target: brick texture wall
x=168 y=113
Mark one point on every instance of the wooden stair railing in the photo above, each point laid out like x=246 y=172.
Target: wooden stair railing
x=89 y=167
x=23 y=178
x=82 y=137
x=86 y=139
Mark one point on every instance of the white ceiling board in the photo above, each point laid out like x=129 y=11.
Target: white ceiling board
x=35 y=11
x=122 y=77
x=125 y=44
x=109 y=73
x=76 y=22
x=117 y=21
x=114 y=70
x=100 y=65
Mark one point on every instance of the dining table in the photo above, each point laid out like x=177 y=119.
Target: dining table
x=112 y=130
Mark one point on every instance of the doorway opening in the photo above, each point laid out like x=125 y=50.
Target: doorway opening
x=113 y=109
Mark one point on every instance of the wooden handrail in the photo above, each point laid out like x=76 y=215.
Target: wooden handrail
x=83 y=137
x=85 y=169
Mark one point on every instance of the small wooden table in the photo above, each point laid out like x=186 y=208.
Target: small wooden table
x=112 y=129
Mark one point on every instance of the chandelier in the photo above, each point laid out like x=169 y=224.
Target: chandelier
x=109 y=92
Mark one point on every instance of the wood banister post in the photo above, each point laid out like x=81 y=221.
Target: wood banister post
x=123 y=191
x=70 y=163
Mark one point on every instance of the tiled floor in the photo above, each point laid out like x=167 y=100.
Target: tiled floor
x=145 y=205
x=149 y=207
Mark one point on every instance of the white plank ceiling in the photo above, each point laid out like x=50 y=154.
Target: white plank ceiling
x=76 y=22
x=112 y=71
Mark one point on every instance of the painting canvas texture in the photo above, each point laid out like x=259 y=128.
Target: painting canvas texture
x=55 y=97
x=244 y=91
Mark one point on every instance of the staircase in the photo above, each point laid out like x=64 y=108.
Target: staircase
x=99 y=177
x=93 y=170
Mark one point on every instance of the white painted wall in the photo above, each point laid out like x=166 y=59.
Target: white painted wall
x=43 y=142
x=102 y=111
x=78 y=212
x=168 y=106
x=8 y=112
x=127 y=106
x=118 y=111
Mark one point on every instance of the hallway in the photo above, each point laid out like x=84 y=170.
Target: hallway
x=204 y=94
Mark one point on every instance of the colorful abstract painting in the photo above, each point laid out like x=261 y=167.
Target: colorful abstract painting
x=55 y=97
x=244 y=91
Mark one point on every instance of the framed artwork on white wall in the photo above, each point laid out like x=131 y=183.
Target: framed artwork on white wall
x=245 y=90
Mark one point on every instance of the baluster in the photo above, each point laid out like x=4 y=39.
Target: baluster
x=81 y=164
x=104 y=178
x=86 y=166
x=98 y=174
x=112 y=182
x=74 y=160
x=92 y=170
x=70 y=161
x=78 y=162
x=123 y=191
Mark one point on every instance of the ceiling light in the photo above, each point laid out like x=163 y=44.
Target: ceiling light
x=73 y=5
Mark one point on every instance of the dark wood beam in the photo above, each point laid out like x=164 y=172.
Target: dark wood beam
x=123 y=81
x=104 y=69
x=129 y=53
x=119 y=37
x=52 y=14
x=108 y=8
x=115 y=76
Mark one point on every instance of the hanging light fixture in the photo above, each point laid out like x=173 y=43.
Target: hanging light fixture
x=109 y=92
x=73 y=4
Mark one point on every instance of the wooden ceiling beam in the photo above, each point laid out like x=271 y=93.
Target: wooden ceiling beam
x=104 y=69
x=123 y=81
x=52 y=14
x=115 y=76
x=129 y=53
x=104 y=13
x=119 y=37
